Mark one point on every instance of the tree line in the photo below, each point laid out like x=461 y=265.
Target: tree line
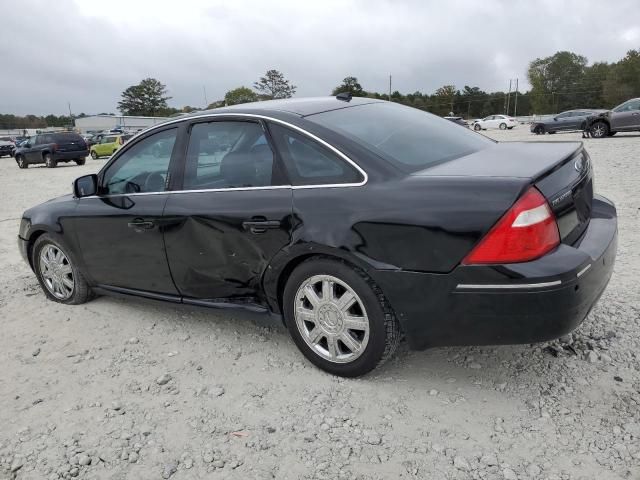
x=562 y=81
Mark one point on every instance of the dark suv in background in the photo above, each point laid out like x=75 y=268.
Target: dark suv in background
x=52 y=148
x=623 y=118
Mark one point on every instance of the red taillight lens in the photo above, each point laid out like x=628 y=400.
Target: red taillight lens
x=526 y=232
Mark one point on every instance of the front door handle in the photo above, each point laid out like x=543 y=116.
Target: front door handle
x=256 y=225
x=140 y=224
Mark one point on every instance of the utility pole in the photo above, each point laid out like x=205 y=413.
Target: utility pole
x=515 y=107
x=204 y=90
x=469 y=110
x=389 y=87
x=508 y=97
x=70 y=115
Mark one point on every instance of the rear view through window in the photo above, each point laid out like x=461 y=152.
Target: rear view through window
x=409 y=138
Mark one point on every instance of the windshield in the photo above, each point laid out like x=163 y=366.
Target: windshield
x=409 y=138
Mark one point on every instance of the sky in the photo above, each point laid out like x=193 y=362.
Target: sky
x=87 y=52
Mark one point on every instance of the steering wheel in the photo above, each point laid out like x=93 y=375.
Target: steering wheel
x=154 y=182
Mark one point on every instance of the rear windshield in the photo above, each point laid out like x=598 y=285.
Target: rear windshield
x=409 y=138
x=66 y=137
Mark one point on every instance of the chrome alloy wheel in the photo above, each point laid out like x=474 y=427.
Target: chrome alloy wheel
x=331 y=319
x=598 y=131
x=56 y=272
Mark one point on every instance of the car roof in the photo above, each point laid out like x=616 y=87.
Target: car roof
x=297 y=106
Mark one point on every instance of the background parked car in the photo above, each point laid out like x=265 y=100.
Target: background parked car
x=495 y=121
x=52 y=148
x=623 y=118
x=108 y=145
x=6 y=146
x=565 y=121
x=458 y=120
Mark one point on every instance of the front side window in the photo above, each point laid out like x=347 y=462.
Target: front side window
x=408 y=138
x=309 y=163
x=143 y=167
x=33 y=141
x=228 y=154
x=628 y=106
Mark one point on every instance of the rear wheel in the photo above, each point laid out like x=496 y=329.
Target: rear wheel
x=539 y=130
x=94 y=155
x=59 y=278
x=22 y=163
x=503 y=126
x=80 y=161
x=599 y=130
x=477 y=127
x=49 y=161
x=339 y=318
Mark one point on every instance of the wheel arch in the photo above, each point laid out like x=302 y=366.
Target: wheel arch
x=283 y=265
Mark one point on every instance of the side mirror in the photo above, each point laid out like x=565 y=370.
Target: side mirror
x=555 y=119
x=85 y=186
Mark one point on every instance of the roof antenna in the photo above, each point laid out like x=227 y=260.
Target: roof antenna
x=344 y=96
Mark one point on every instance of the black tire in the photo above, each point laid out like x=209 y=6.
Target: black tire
x=599 y=130
x=49 y=161
x=384 y=329
x=81 y=291
x=611 y=134
x=22 y=162
x=94 y=155
x=539 y=130
x=477 y=127
x=81 y=161
x=503 y=126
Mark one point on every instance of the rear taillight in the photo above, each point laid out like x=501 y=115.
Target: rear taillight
x=527 y=231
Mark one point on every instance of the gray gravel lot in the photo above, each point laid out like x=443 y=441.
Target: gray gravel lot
x=119 y=389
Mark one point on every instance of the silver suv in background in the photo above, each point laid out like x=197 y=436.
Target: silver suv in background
x=623 y=118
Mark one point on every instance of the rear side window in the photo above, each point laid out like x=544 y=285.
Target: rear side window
x=228 y=154
x=409 y=138
x=310 y=163
x=64 y=138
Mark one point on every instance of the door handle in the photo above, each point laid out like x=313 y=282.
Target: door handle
x=256 y=225
x=140 y=224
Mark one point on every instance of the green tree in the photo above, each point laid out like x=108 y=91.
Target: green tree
x=446 y=96
x=350 y=85
x=240 y=95
x=623 y=79
x=273 y=85
x=148 y=98
x=556 y=82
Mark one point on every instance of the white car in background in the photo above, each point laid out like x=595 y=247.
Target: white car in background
x=502 y=122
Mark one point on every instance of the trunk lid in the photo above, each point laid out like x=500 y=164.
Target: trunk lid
x=70 y=143
x=560 y=170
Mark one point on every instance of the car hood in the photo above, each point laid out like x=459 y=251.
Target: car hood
x=508 y=159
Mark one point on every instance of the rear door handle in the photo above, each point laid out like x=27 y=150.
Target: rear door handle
x=260 y=226
x=140 y=224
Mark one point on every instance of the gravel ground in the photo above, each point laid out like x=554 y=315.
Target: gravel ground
x=120 y=389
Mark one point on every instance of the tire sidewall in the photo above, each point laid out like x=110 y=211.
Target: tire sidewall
x=49 y=161
x=503 y=126
x=477 y=127
x=23 y=160
x=604 y=126
x=79 y=284
x=375 y=348
x=94 y=155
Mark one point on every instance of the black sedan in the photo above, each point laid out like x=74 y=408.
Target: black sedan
x=353 y=220
x=563 y=122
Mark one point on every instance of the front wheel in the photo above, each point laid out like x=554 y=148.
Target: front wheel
x=611 y=134
x=94 y=155
x=477 y=127
x=503 y=126
x=339 y=318
x=22 y=163
x=59 y=278
x=599 y=130
x=49 y=161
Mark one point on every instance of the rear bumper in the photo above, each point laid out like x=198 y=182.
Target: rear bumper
x=64 y=156
x=507 y=304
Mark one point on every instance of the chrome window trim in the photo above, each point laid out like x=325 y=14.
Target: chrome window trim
x=507 y=286
x=271 y=187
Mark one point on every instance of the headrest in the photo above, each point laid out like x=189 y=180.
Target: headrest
x=238 y=170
